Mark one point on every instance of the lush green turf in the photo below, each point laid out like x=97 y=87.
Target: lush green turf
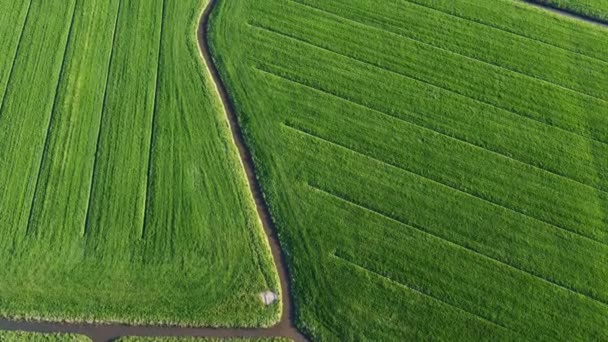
x=123 y=197
x=18 y=336
x=187 y=339
x=438 y=169
x=597 y=9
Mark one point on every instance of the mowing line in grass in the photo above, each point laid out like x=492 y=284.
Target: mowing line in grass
x=472 y=251
x=496 y=27
x=85 y=228
x=21 y=135
x=540 y=195
x=336 y=256
x=116 y=222
x=4 y=86
x=62 y=75
x=449 y=186
x=416 y=40
x=549 y=220
x=355 y=223
x=339 y=97
x=496 y=50
x=487 y=118
x=469 y=187
x=65 y=176
x=457 y=93
x=476 y=147
x=393 y=210
x=532 y=98
x=450 y=137
x=153 y=130
x=455 y=283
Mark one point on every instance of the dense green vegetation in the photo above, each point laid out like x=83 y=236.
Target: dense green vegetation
x=437 y=169
x=193 y=339
x=18 y=336
x=123 y=197
x=597 y=9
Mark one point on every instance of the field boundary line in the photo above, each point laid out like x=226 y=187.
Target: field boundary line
x=479 y=22
x=419 y=41
x=441 y=184
x=430 y=130
x=458 y=94
x=150 y=171
x=456 y=245
x=17 y=50
x=87 y=222
x=418 y=292
x=52 y=117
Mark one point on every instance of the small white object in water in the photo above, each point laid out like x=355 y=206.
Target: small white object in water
x=269 y=297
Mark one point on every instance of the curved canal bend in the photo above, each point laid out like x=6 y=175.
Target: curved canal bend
x=284 y=328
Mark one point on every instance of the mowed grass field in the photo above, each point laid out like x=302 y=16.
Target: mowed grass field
x=437 y=168
x=123 y=198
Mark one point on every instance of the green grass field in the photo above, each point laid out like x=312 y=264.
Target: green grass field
x=123 y=197
x=193 y=339
x=597 y=9
x=18 y=336
x=438 y=169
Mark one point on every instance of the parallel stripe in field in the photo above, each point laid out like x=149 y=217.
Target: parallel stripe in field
x=489 y=25
x=10 y=73
x=420 y=80
x=85 y=229
x=154 y=119
x=441 y=184
x=430 y=130
x=494 y=27
x=44 y=156
x=421 y=293
x=411 y=38
x=474 y=252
